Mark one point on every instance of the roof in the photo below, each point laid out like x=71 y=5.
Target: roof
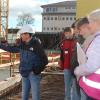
x=11 y=30
x=65 y=3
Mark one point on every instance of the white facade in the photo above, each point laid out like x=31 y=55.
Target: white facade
x=12 y=38
x=56 y=17
x=12 y=35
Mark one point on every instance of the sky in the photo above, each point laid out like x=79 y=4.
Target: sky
x=18 y=7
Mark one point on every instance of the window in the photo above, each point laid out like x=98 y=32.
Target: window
x=52 y=28
x=67 y=18
x=47 y=10
x=48 y=18
x=68 y=7
x=73 y=7
x=74 y=18
x=47 y=28
x=63 y=28
x=63 y=18
x=54 y=9
x=44 y=18
x=70 y=18
x=55 y=18
x=44 y=28
x=55 y=28
x=51 y=18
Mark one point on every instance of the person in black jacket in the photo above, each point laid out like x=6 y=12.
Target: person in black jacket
x=31 y=52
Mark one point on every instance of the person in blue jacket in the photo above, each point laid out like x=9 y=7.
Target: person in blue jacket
x=28 y=60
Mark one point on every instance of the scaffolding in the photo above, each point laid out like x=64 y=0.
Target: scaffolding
x=4 y=10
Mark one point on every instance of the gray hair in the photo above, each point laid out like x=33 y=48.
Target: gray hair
x=94 y=15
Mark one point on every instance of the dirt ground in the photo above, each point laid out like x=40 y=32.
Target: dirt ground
x=52 y=88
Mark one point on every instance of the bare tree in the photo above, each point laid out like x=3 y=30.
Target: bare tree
x=25 y=19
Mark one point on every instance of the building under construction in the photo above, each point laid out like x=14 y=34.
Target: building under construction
x=4 y=10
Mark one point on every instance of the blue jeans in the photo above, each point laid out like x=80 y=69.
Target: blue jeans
x=31 y=82
x=84 y=96
x=75 y=90
x=68 y=82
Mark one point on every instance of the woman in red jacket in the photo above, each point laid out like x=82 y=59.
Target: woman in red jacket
x=66 y=47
